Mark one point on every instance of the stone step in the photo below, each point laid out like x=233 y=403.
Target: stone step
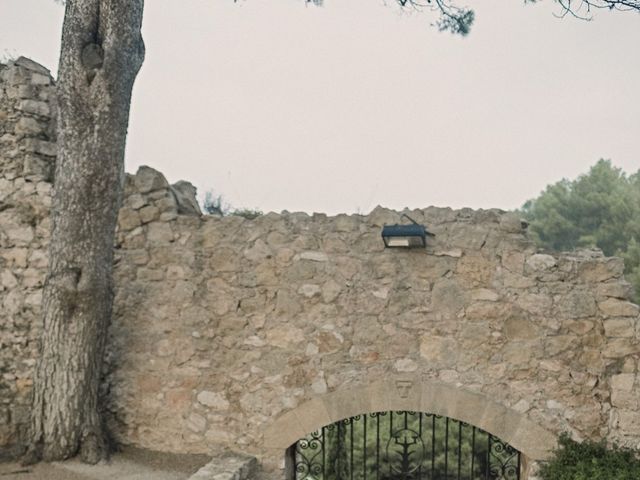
x=229 y=466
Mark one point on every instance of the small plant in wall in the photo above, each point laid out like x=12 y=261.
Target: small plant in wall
x=217 y=205
x=7 y=55
x=591 y=461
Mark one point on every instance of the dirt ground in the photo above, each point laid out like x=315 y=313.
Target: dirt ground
x=130 y=464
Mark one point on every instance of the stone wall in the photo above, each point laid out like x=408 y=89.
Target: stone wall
x=27 y=154
x=254 y=318
x=239 y=334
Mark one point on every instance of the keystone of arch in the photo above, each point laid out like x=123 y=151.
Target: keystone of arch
x=414 y=394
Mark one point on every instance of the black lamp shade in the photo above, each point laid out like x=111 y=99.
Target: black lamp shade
x=404 y=236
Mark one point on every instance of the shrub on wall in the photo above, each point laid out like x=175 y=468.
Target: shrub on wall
x=590 y=461
x=217 y=205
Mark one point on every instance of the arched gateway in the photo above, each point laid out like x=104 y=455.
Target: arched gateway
x=407 y=427
x=403 y=445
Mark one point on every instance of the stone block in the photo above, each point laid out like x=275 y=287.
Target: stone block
x=580 y=327
x=148 y=179
x=196 y=423
x=438 y=398
x=37 y=168
x=167 y=205
x=559 y=343
x=168 y=216
x=623 y=381
x=575 y=304
x=346 y=402
x=185 y=194
x=128 y=219
x=26 y=91
x=346 y=223
x=378 y=393
x=613 y=307
x=32 y=66
x=629 y=422
x=16 y=257
x=149 y=274
x=512 y=222
x=34 y=107
x=619 y=289
x=467 y=237
x=312 y=256
x=619 y=327
x=513 y=261
x=625 y=400
x=448 y=296
x=13 y=75
x=178 y=399
x=535 y=442
x=285 y=336
x=469 y=406
x=313 y=415
x=40 y=80
x=541 y=262
x=216 y=401
x=475 y=270
x=135 y=201
x=28 y=126
x=404 y=392
x=500 y=421
x=159 y=233
x=520 y=328
x=484 y=294
x=259 y=251
x=284 y=431
x=405 y=365
x=330 y=291
x=381 y=216
x=441 y=251
x=620 y=347
x=439 y=351
x=601 y=269
x=19 y=235
x=149 y=213
x=34 y=145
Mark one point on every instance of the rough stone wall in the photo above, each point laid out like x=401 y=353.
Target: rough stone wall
x=252 y=318
x=223 y=324
x=27 y=155
x=27 y=159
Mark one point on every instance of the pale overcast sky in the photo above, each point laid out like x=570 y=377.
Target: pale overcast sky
x=280 y=105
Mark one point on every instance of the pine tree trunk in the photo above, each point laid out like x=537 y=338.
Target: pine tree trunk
x=102 y=51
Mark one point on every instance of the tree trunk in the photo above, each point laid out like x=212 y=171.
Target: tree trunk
x=102 y=51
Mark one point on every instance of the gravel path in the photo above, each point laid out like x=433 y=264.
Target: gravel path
x=130 y=464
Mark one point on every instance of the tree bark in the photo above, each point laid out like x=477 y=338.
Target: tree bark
x=102 y=52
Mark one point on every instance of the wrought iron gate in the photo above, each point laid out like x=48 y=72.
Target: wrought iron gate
x=404 y=446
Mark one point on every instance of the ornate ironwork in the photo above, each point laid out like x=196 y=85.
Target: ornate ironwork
x=404 y=445
x=405 y=451
x=504 y=460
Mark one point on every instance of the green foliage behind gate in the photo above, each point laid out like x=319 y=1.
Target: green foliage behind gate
x=404 y=446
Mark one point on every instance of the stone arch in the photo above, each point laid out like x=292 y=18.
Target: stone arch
x=415 y=394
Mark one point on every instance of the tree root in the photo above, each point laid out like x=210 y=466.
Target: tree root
x=32 y=456
x=93 y=448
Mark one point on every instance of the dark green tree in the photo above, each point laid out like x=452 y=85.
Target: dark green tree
x=598 y=209
x=337 y=462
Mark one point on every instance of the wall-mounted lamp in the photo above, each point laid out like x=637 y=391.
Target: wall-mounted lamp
x=405 y=236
